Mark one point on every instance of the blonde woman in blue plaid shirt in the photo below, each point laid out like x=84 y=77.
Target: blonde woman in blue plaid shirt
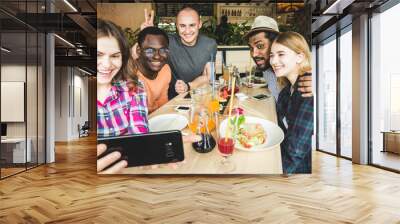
x=290 y=58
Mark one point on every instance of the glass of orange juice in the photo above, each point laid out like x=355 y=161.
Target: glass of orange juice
x=213 y=104
x=198 y=118
x=193 y=118
x=226 y=72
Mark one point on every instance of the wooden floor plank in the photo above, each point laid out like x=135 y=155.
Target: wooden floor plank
x=70 y=191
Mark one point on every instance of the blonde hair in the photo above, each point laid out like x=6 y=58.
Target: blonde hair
x=298 y=44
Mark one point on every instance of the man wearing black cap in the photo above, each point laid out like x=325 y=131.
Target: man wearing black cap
x=260 y=37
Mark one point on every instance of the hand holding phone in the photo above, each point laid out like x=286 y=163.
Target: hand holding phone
x=146 y=149
x=111 y=163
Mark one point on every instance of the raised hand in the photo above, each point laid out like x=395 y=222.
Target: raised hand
x=148 y=19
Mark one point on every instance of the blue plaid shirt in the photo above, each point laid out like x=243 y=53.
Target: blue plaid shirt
x=295 y=117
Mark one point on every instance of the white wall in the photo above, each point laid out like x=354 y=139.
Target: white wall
x=12 y=73
x=80 y=110
x=71 y=93
x=33 y=126
x=61 y=103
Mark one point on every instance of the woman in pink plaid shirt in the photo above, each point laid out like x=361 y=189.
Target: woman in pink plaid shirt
x=121 y=100
x=121 y=103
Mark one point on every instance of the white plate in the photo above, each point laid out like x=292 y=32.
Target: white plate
x=244 y=80
x=274 y=134
x=167 y=122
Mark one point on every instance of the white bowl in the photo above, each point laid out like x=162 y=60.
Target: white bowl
x=166 y=122
x=274 y=134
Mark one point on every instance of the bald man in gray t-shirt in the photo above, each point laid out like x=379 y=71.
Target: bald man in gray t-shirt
x=190 y=52
x=187 y=62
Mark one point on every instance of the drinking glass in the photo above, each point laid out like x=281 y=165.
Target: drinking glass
x=193 y=118
x=200 y=117
x=213 y=105
x=226 y=72
x=225 y=148
x=201 y=95
x=250 y=72
x=207 y=142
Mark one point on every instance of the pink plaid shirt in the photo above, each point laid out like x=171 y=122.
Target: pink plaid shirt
x=122 y=112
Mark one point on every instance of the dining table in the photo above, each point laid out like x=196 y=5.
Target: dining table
x=245 y=162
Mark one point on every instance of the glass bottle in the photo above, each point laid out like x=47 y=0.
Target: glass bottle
x=207 y=142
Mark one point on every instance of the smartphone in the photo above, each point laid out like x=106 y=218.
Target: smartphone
x=182 y=108
x=261 y=96
x=146 y=149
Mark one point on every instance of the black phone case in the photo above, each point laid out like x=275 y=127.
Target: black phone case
x=147 y=149
x=260 y=96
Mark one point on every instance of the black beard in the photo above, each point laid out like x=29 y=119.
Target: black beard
x=266 y=66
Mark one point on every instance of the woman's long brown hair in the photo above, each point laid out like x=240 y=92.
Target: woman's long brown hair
x=128 y=69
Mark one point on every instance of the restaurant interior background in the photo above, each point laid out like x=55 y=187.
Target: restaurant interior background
x=232 y=50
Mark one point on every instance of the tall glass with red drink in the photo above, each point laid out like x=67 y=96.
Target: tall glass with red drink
x=225 y=148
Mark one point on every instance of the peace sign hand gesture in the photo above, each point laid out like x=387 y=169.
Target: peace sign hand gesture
x=148 y=19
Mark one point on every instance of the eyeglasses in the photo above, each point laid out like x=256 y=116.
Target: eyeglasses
x=150 y=52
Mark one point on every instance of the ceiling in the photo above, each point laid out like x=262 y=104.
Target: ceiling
x=333 y=15
x=72 y=20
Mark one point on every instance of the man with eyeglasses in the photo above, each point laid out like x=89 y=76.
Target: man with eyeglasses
x=191 y=52
x=153 y=70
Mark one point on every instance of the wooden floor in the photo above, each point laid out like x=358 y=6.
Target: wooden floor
x=387 y=159
x=69 y=191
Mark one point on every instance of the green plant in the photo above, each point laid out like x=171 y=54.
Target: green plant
x=169 y=28
x=131 y=35
x=233 y=34
x=209 y=27
x=236 y=33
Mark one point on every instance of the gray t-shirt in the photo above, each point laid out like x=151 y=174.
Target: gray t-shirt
x=187 y=62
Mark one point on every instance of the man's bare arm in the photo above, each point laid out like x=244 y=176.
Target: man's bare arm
x=204 y=78
x=305 y=86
